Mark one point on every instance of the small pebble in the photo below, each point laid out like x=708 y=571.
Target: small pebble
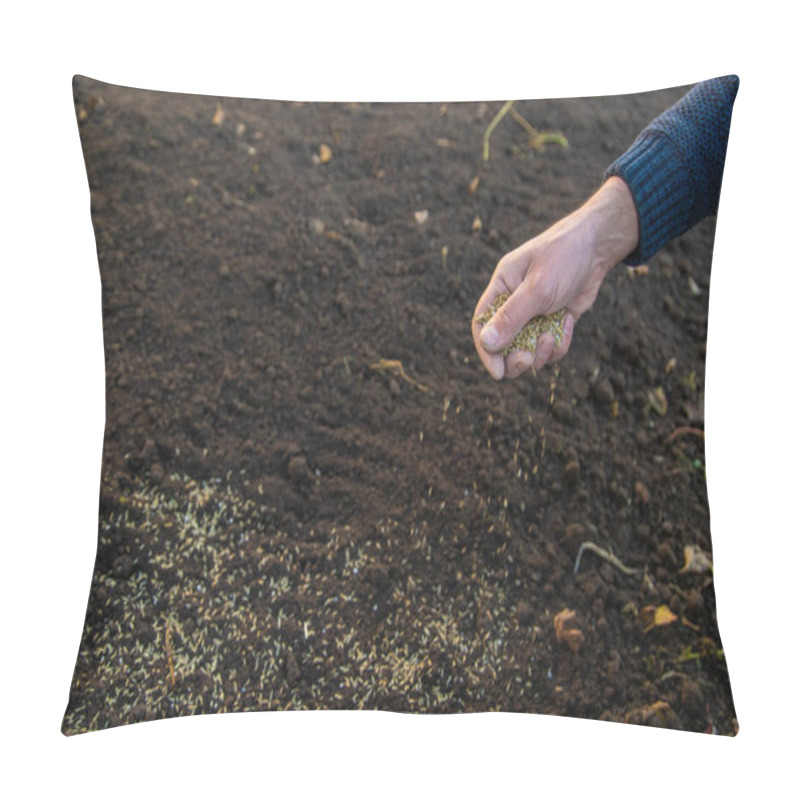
x=695 y=605
x=562 y=411
x=156 y=473
x=293 y=673
x=298 y=470
x=524 y=612
x=603 y=392
x=666 y=555
x=122 y=567
x=572 y=473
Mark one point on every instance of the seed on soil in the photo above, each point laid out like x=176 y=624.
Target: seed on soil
x=657 y=400
x=604 y=392
x=298 y=470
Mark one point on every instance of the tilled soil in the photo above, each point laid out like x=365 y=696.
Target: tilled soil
x=313 y=495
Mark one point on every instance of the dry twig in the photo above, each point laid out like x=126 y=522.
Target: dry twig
x=686 y=429
x=396 y=368
x=607 y=556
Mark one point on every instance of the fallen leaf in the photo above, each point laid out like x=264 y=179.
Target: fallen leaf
x=421 y=216
x=325 y=154
x=567 y=635
x=640 y=716
x=664 y=616
x=219 y=116
x=696 y=560
x=476 y=224
x=473 y=184
x=652 y=617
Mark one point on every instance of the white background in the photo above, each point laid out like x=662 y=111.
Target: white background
x=52 y=386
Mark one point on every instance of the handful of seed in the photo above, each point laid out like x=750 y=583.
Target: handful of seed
x=526 y=339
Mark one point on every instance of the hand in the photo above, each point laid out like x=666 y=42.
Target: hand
x=561 y=268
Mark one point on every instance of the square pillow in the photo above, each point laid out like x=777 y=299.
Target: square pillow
x=313 y=496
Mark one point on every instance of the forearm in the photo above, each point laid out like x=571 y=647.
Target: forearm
x=613 y=223
x=674 y=168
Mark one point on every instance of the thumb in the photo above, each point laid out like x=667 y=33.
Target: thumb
x=508 y=321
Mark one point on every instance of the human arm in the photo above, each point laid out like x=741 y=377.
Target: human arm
x=667 y=181
x=674 y=167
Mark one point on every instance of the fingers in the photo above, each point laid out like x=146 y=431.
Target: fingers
x=491 y=358
x=491 y=338
x=494 y=363
x=566 y=338
x=507 y=322
x=519 y=362
x=546 y=350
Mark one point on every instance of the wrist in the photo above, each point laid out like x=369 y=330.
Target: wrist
x=614 y=223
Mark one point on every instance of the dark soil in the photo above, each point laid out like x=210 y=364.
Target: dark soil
x=312 y=494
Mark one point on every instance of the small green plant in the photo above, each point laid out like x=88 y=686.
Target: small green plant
x=536 y=139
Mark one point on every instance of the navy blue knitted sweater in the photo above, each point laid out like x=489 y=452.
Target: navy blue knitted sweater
x=674 y=168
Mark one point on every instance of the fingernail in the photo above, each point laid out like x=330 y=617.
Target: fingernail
x=490 y=337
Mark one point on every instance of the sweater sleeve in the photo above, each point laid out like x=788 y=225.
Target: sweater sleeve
x=674 y=168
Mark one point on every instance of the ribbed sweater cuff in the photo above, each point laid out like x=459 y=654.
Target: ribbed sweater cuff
x=658 y=179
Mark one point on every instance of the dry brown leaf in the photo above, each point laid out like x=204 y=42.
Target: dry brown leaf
x=664 y=616
x=325 y=154
x=473 y=184
x=219 y=115
x=640 y=716
x=421 y=216
x=652 y=617
x=567 y=635
x=696 y=560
